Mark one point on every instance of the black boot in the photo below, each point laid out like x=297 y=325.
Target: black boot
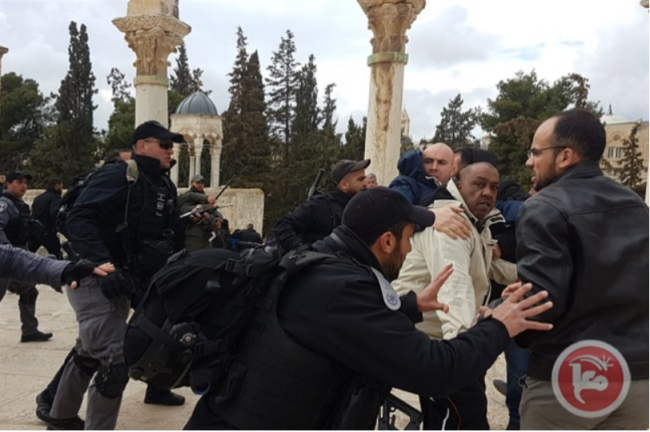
x=37 y=336
x=158 y=396
x=44 y=405
x=74 y=423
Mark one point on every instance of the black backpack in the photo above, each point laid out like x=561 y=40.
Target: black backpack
x=186 y=329
x=76 y=186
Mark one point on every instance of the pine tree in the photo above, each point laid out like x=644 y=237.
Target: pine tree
x=181 y=80
x=455 y=128
x=327 y=113
x=355 y=140
x=306 y=116
x=70 y=149
x=632 y=162
x=281 y=86
x=119 y=86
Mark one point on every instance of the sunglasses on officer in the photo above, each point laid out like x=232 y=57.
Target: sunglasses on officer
x=165 y=145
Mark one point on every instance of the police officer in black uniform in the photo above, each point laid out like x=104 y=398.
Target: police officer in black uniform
x=17 y=228
x=44 y=209
x=126 y=215
x=326 y=350
x=315 y=218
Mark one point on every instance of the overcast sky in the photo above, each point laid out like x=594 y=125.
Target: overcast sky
x=455 y=46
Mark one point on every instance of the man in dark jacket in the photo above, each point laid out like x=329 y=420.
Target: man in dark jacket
x=199 y=228
x=315 y=218
x=339 y=337
x=422 y=172
x=44 y=209
x=127 y=215
x=584 y=238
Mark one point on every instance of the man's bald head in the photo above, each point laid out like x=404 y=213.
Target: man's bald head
x=478 y=185
x=438 y=161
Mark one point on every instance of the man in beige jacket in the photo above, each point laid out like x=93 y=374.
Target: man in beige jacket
x=466 y=290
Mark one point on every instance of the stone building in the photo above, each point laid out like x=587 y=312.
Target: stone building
x=618 y=129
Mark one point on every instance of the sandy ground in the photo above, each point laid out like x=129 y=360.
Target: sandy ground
x=27 y=367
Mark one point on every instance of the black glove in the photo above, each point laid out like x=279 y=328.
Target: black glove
x=116 y=285
x=76 y=271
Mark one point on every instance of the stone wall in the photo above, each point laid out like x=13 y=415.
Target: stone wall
x=247 y=205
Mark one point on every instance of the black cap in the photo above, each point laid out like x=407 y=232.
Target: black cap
x=346 y=166
x=17 y=175
x=153 y=129
x=372 y=212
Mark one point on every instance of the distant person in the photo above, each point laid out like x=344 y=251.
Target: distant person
x=44 y=209
x=371 y=181
x=199 y=228
x=317 y=217
x=222 y=238
x=3 y=180
x=119 y=155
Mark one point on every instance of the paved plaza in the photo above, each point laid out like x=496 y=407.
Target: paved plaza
x=27 y=368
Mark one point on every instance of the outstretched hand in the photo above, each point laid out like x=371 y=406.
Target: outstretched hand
x=87 y=269
x=514 y=312
x=427 y=299
x=449 y=222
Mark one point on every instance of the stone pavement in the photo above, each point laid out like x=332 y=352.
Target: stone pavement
x=27 y=367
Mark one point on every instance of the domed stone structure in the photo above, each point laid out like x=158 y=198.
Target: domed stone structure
x=198 y=120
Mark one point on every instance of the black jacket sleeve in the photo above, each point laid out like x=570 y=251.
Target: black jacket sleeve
x=544 y=258
x=288 y=229
x=352 y=325
x=105 y=194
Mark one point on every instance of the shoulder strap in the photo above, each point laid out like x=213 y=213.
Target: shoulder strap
x=132 y=173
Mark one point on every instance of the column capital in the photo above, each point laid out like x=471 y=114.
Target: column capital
x=152 y=38
x=3 y=51
x=389 y=20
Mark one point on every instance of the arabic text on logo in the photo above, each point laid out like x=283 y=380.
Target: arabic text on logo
x=590 y=379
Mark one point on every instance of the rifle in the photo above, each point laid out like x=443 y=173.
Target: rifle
x=314 y=186
x=211 y=209
x=392 y=404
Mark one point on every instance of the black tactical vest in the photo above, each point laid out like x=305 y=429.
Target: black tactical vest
x=278 y=383
x=17 y=229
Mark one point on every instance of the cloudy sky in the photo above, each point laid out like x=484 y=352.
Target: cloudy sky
x=455 y=46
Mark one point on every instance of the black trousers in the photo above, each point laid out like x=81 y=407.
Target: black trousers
x=49 y=241
x=463 y=410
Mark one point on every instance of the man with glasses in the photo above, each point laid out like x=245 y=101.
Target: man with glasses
x=127 y=215
x=583 y=238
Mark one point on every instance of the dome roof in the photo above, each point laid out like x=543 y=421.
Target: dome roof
x=197 y=103
x=613 y=119
x=610 y=118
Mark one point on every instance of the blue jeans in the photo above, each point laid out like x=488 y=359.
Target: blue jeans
x=516 y=365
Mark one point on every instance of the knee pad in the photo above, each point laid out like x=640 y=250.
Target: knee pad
x=29 y=298
x=112 y=380
x=88 y=365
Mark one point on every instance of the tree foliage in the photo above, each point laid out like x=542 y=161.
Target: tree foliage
x=455 y=127
x=70 y=149
x=522 y=104
x=631 y=170
x=183 y=80
x=24 y=116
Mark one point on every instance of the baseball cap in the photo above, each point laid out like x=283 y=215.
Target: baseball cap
x=346 y=166
x=153 y=129
x=197 y=178
x=372 y=212
x=17 y=175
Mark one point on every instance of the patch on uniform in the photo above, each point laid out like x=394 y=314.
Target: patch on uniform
x=388 y=293
x=3 y=206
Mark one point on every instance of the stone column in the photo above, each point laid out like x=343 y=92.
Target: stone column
x=215 y=156
x=198 y=151
x=3 y=51
x=153 y=31
x=177 y=158
x=388 y=20
x=190 y=150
